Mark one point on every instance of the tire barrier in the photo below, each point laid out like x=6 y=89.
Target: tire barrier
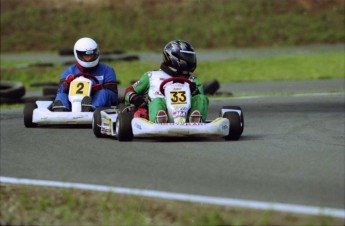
x=49 y=90
x=11 y=90
x=39 y=84
x=211 y=87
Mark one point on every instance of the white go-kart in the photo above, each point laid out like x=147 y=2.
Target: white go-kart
x=119 y=122
x=40 y=112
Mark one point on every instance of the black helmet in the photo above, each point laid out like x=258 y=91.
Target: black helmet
x=179 y=55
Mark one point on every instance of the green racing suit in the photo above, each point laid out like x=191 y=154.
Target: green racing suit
x=149 y=85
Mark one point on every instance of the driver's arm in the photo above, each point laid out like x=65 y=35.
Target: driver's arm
x=66 y=77
x=134 y=94
x=199 y=86
x=109 y=82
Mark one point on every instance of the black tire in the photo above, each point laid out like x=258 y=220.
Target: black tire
x=96 y=122
x=235 y=129
x=241 y=116
x=49 y=90
x=130 y=58
x=122 y=58
x=11 y=89
x=39 y=84
x=211 y=87
x=28 y=112
x=124 y=126
x=115 y=51
x=66 y=52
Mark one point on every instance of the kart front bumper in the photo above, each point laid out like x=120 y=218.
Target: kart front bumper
x=144 y=128
x=43 y=116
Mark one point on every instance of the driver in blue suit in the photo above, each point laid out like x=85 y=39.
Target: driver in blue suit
x=103 y=94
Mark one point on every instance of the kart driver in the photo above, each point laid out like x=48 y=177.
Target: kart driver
x=104 y=94
x=179 y=60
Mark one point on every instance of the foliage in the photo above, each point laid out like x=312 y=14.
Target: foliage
x=36 y=25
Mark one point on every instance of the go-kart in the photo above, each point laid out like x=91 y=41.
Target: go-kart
x=40 y=112
x=119 y=122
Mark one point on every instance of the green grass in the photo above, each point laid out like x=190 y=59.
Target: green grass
x=321 y=66
x=137 y=25
x=317 y=66
x=32 y=205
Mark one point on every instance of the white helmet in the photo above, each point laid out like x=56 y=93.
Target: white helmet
x=86 y=46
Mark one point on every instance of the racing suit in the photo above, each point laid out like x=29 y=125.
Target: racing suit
x=149 y=84
x=103 y=95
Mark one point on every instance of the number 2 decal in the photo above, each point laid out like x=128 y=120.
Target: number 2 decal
x=80 y=87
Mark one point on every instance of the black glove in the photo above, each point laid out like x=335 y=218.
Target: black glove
x=138 y=100
x=194 y=89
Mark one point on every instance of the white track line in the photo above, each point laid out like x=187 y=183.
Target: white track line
x=300 y=209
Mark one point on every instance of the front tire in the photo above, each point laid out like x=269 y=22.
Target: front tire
x=97 y=122
x=124 y=126
x=241 y=115
x=28 y=113
x=235 y=129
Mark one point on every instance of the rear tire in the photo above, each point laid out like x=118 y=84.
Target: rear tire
x=235 y=129
x=124 y=126
x=28 y=113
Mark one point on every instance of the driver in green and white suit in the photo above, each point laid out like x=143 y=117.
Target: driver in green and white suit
x=179 y=60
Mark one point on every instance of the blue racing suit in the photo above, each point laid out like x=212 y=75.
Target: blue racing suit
x=103 y=95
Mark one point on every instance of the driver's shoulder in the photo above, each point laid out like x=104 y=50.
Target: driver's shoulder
x=104 y=66
x=158 y=73
x=73 y=69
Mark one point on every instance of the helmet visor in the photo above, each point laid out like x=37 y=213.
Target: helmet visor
x=88 y=56
x=188 y=56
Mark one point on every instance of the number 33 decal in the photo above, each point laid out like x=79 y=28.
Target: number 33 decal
x=178 y=97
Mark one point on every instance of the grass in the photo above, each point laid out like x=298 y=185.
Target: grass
x=321 y=66
x=318 y=66
x=148 y=25
x=32 y=205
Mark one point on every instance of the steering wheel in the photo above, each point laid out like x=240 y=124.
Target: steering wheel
x=174 y=80
x=87 y=75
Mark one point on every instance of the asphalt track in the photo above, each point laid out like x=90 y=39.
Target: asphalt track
x=292 y=151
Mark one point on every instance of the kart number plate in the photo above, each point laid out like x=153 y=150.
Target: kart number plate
x=79 y=88
x=178 y=97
